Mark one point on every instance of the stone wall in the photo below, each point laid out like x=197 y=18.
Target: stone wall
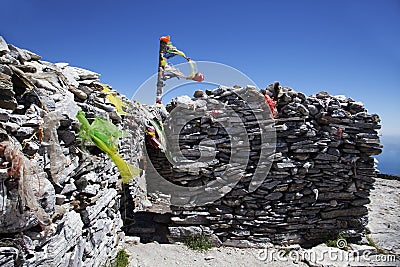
x=60 y=200
x=319 y=181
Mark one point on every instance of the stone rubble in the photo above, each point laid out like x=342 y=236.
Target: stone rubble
x=319 y=182
x=320 y=171
x=79 y=188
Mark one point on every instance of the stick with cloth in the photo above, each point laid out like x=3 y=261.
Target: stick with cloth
x=167 y=71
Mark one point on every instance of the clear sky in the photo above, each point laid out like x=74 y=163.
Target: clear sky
x=349 y=47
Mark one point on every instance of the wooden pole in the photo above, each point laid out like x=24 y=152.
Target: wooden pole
x=160 y=84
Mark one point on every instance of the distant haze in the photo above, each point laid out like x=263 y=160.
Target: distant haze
x=389 y=160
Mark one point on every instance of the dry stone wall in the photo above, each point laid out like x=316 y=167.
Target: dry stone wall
x=60 y=202
x=319 y=181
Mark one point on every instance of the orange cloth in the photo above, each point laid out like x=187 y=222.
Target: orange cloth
x=165 y=39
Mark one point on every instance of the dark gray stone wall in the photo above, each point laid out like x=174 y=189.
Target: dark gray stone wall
x=319 y=181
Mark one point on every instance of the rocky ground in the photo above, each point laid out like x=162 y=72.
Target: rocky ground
x=384 y=214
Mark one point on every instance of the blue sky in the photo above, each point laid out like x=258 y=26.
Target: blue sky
x=349 y=47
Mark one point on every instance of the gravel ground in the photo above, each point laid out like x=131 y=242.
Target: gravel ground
x=384 y=215
x=179 y=255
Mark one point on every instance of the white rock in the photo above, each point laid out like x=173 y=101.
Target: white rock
x=3 y=46
x=185 y=102
x=132 y=240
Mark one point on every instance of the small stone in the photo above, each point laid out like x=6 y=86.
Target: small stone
x=182 y=232
x=8 y=254
x=32 y=55
x=184 y=102
x=31 y=148
x=4 y=114
x=7 y=100
x=91 y=189
x=6 y=85
x=190 y=220
x=10 y=127
x=358 y=211
x=81 y=183
x=250 y=87
x=323 y=95
x=60 y=199
x=274 y=196
x=270 y=185
x=146 y=203
x=3 y=46
x=339 y=113
x=4 y=174
x=8 y=59
x=25 y=132
x=198 y=93
x=6 y=70
x=78 y=93
x=67 y=137
x=92 y=177
x=312 y=109
x=68 y=188
x=303 y=110
x=22 y=55
x=85 y=74
x=9 y=104
x=326 y=157
x=282 y=165
x=132 y=240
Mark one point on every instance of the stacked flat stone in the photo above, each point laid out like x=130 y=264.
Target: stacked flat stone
x=225 y=114
x=80 y=194
x=317 y=187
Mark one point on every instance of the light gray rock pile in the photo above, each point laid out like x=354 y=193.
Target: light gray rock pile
x=59 y=200
x=319 y=181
